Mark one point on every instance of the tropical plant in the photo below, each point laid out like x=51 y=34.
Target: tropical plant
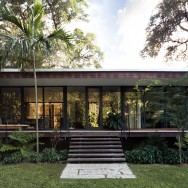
x=27 y=40
x=35 y=157
x=114 y=121
x=50 y=155
x=19 y=142
x=58 y=14
x=63 y=154
x=14 y=158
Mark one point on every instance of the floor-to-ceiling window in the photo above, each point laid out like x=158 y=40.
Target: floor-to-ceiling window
x=76 y=107
x=132 y=108
x=30 y=108
x=11 y=105
x=111 y=102
x=94 y=107
x=154 y=108
x=53 y=107
x=176 y=107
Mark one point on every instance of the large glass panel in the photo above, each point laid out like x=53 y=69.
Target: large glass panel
x=30 y=107
x=132 y=110
x=76 y=107
x=154 y=108
x=53 y=100
x=93 y=107
x=111 y=101
x=11 y=105
x=176 y=107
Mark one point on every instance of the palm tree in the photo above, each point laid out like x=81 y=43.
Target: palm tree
x=28 y=40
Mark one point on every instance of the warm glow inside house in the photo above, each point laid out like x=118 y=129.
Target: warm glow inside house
x=81 y=99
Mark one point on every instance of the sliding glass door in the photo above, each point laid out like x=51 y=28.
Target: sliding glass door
x=94 y=107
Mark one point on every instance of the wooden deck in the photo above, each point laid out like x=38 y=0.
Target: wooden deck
x=101 y=133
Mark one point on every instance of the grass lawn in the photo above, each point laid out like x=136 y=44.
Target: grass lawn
x=26 y=175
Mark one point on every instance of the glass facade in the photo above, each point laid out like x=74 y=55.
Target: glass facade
x=10 y=107
x=76 y=107
x=94 y=107
x=30 y=107
x=154 y=108
x=111 y=101
x=88 y=107
x=53 y=107
x=133 y=108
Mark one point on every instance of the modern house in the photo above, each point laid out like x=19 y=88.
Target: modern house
x=81 y=99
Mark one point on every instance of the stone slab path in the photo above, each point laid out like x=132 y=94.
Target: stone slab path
x=96 y=171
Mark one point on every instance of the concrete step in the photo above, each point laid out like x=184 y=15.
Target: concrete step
x=94 y=142
x=94 y=146
x=85 y=155
x=92 y=149
x=76 y=160
x=95 y=139
x=95 y=150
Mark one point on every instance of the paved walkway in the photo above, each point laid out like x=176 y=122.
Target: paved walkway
x=97 y=171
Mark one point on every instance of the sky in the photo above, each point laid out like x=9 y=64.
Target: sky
x=119 y=26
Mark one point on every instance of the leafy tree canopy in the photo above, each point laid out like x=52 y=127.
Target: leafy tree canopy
x=57 y=14
x=168 y=30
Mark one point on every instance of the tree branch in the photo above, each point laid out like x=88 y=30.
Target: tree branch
x=183 y=28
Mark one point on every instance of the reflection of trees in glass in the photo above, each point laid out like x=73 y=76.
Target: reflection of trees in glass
x=53 y=94
x=166 y=106
x=76 y=107
x=154 y=107
x=111 y=102
x=177 y=107
x=133 y=106
x=11 y=105
x=94 y=103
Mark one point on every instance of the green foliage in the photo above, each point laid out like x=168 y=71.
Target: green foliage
x=185 y=156
x=14 y=158
x=171 y=156
x=63 y=155
x=186 y=139
x=50 y=155
x=167 y=29
x=19 y=141
x=18 y=46
x=35 y=157
x=147 y=155
x=1 y=157
x=114 y=121
x=19 y=18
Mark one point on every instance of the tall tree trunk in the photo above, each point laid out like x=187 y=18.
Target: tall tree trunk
x=36 y=103
x=35 y=81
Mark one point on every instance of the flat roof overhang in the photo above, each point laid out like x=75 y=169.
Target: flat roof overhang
x=84 y=77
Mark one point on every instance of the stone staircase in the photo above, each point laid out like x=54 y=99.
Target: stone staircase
x=95 y=149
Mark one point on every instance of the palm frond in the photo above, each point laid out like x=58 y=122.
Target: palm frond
x=62 y=35
x=38 y=13
x=7 y=15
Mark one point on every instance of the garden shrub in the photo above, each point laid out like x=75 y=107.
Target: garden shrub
x=147 y=155
x=14 y=158
x=63 y=154
x=185 y=156
x=1 y=156
x=50 y=155
x=35 y=157
x=171 y=156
